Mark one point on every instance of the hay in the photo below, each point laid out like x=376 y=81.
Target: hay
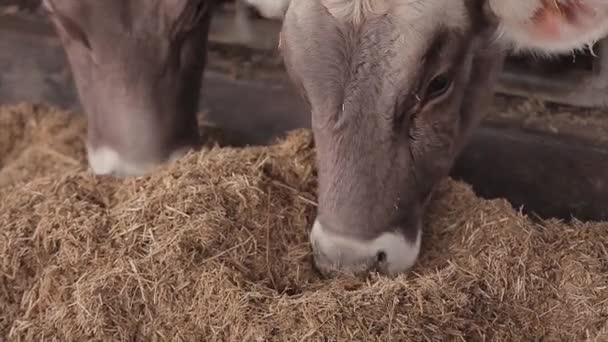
x=37 y=140
x=214 y=247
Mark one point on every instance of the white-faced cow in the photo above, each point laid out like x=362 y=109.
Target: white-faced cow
x=395 y=88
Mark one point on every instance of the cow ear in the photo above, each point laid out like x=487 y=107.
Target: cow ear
x=551 y=26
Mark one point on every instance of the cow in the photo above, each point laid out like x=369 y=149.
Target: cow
x=138 y=67
x=394 y=87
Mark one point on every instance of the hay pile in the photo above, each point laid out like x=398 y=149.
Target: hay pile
x=214 y=248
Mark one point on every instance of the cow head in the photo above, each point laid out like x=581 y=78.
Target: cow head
x=395 y=88
x=137 y=66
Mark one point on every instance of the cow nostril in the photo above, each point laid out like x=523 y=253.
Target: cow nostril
x=381 y=256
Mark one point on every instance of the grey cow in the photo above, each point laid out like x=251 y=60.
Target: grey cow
x=395 y=88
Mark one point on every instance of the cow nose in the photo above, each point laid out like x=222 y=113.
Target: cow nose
x=390 y=253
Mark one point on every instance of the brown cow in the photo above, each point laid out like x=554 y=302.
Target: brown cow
x=137 y=66
x=395 y=88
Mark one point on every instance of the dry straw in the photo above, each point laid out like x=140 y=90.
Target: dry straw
x=214 y=248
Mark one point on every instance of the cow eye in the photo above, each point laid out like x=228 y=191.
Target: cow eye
x=438 y=86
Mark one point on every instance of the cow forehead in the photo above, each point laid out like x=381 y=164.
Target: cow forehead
x=409 y=13
x=374 y=51
x=411 y=27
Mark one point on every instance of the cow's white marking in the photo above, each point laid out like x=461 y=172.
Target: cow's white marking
x=106 y=161
x=337 y=252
